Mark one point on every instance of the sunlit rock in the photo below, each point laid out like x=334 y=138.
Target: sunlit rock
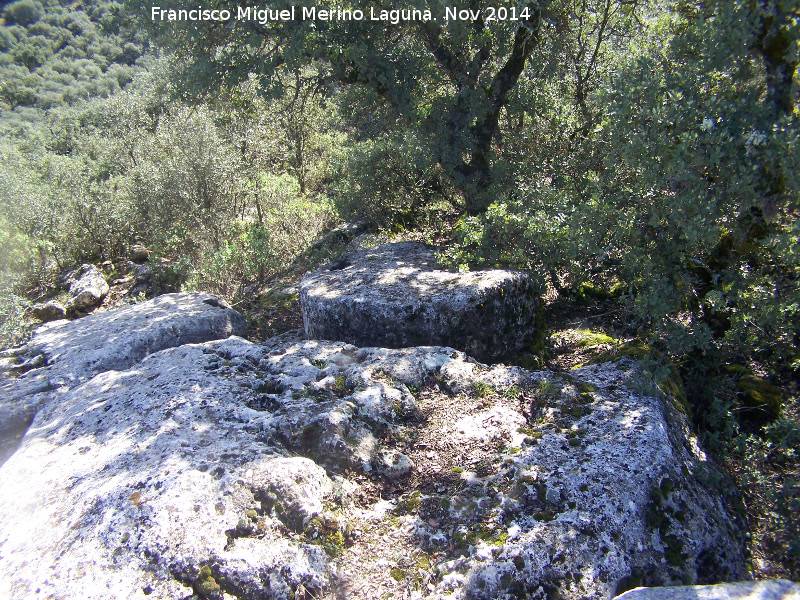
x=139 y=253
x=746 y=590
x=49 y=311
x=87 y=288
x=65 y=353
x=304 y=468
x=396 y=296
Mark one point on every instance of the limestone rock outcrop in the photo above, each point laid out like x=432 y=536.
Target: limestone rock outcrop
x=303 y=468
x=87 y=288
x=748 y=590
x=49 y=311
x=63 y=354
x=395 y=296
x=139 y=253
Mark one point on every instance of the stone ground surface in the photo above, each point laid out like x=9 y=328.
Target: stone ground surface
x=64 y=353
x=310 y=469
x=396 y=296
x=749 y=590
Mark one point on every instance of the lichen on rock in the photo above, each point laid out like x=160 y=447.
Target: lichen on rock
x=396 y=296
x=231 y=469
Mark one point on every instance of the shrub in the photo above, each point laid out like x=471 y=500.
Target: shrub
x=770 y=476
x=12 y=311
x=23 y=12
x=7 y=39
x=16 y=254
x=389 y=180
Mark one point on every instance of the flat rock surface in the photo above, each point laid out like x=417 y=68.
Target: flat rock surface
x=300 y=468
x=396 y=296
x=64 y=353
x=747 y=590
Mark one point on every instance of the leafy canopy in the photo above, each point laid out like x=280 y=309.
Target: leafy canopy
x=444 y=83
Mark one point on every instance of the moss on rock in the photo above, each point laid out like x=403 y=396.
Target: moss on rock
x=206 y=586
x=756 y=393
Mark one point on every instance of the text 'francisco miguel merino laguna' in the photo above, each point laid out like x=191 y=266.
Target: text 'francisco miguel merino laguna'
x=312 y=13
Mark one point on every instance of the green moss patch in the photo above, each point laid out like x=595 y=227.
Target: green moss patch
x=586 y=293
x=635 y=349
x=328 y=533
x=206 y=586
x=408 y=503
x=756 y=393
x=591 y=338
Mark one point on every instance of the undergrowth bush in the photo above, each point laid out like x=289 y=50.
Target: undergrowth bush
x=769 y=475
x=693 y=205
x=387 y=181
x=217 y=196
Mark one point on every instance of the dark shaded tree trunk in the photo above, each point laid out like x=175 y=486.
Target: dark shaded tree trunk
x=474 y=178
x=774 y=43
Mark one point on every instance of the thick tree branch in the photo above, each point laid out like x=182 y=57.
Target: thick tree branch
x=774 y=44
x=525 y=40
x=477 y=174
x=432 y=37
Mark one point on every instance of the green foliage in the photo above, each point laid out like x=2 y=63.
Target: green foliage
x=720 y=235
x=202 y=187
x=439 y=88
x=55 y=56
x=539 y=229
x=12 y=312
x=17 y=251
x=225 y=269
x=682 y=194
x=481 y=389
x=387 y=181
x=6 y=38
x=55 y=200
x=184 y=176
x=771 y=479
x=23 y=12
